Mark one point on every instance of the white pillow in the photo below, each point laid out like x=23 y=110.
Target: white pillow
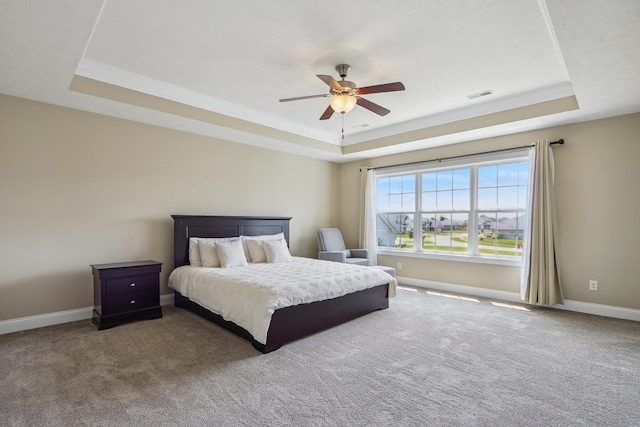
x=263 y=237
x=208 y=254
x=231 y=254
x=256 y=250
x=276 y=251
x=195 y=259
x=194 y=252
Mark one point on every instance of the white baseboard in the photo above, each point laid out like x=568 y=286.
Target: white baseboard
x=167 y=299
x=570 y=305
x=50 y=319
x=41 y=320
x=600 y=310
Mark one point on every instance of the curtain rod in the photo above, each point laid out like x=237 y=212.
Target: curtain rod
x=560 y=142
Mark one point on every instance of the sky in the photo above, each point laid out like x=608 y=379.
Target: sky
x=500 y=187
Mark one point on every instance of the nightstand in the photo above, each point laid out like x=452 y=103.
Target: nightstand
x=125 y=291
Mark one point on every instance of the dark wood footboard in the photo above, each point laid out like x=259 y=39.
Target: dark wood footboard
x=291 y=323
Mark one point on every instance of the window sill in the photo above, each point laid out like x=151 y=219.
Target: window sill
x=447 y=257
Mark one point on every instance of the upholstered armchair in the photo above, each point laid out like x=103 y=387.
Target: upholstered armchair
x=332 y=248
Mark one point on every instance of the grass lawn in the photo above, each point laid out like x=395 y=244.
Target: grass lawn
x=503 y=243
x=508 y=246
x=444 y=248
x=507 y=253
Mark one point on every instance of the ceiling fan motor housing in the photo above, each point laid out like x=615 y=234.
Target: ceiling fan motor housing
x=348 y=88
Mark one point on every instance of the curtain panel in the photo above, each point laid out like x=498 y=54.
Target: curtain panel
x=540 y=283
x=370 y=241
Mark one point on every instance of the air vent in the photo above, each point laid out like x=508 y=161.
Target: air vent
x=361 y=125
x=480 y=94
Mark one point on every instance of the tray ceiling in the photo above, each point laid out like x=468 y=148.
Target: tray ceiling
x=219 y=69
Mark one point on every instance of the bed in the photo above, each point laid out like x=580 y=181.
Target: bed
x=288 y=323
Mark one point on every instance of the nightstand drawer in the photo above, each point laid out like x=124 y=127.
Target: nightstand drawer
x=131 y=301
x=132 y=284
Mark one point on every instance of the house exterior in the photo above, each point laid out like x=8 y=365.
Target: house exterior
x=389 y=226
x=509 y=228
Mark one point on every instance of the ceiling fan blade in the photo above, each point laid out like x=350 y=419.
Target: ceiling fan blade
x=333 y=84
x=304 y=97
x=327 y=113
x=387 y=87
x=381 y=111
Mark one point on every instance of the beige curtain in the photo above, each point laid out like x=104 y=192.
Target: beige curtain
x=370 y=241
x=362 y=232
x=540 y=283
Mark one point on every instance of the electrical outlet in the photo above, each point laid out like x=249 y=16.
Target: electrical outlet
x=593 y=285
x=399 y=266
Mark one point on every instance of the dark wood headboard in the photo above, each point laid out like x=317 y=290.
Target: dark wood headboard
x=186 y=226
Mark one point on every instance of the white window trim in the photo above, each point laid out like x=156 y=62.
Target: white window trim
x=450 y=257
x=473 y=162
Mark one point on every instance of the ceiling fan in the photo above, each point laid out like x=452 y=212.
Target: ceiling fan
x=345 y=94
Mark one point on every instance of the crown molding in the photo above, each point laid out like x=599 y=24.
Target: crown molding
x=118 y=77
x=476 y=109
x=544 y=11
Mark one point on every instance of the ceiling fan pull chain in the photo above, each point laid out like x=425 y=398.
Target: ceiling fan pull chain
x=343 y=126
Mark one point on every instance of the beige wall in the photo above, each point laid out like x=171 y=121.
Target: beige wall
x=78 y=188
x=597 y=177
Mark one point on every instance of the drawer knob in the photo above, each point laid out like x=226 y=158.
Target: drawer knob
x=133 y=301
x=132 y=285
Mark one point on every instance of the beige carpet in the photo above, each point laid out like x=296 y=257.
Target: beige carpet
x=428 y=360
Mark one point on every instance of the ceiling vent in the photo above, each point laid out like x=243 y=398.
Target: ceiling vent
x=480 y=94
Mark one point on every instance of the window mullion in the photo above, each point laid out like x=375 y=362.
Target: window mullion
x=417 y=216
x=472 y=229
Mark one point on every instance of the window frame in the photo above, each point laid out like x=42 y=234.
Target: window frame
x=473 y=163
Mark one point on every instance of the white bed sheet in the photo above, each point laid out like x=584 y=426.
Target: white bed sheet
x=249 y=295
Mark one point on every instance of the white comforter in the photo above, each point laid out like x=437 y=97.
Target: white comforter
x=249 y=295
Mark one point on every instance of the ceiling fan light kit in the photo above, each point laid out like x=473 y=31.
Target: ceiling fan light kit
x=345 y=95
x=343 y=103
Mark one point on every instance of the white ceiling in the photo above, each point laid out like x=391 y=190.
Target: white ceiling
x=219 y=68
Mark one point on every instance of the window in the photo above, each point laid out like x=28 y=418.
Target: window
x=473 y=209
